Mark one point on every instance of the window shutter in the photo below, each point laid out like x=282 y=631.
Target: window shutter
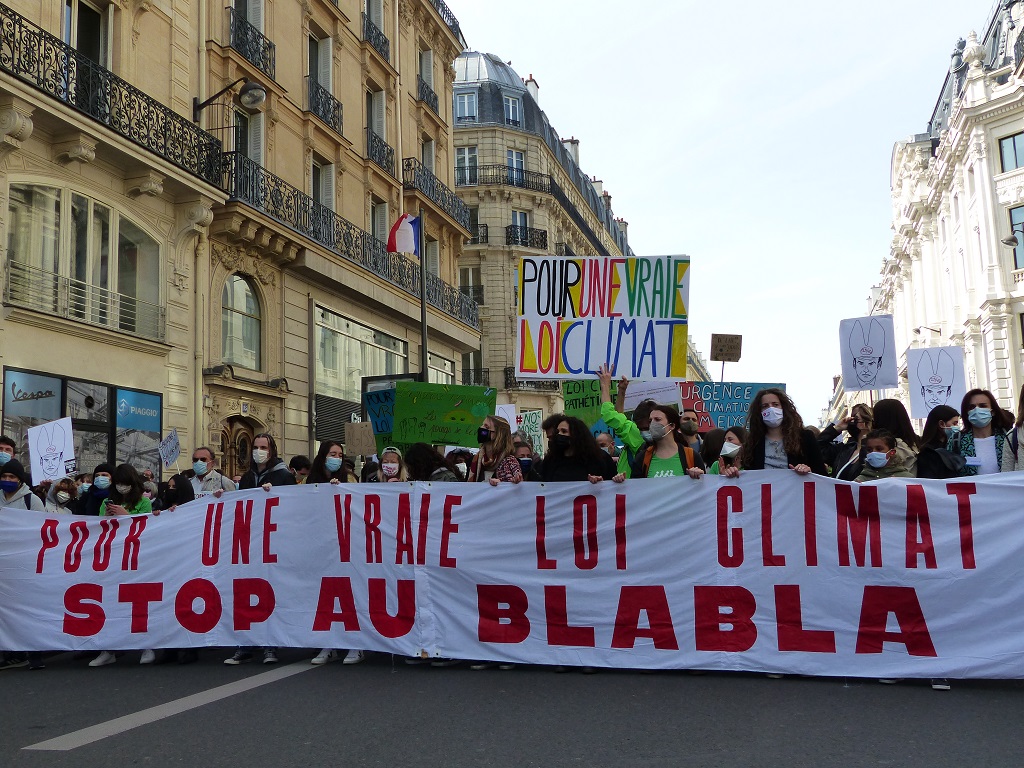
x=327 y=186
x=381 y=223
x=433 y=258
x=256 y=14
x=256 y=138
x=375 y=10
x=427 y=67
x=428 y=155
x=325 y=70
x=378 y=122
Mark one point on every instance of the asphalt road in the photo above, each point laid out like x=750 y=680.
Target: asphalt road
x=389 y=714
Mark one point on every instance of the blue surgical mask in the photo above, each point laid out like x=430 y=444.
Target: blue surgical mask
x=950 y=431
x=980 y=417
x=101 y=482
x=333 y=463
x=199 y=467
x=877 y=460
x=525 y=465
x=85 y=487
x=4 y=458
x=9 y=486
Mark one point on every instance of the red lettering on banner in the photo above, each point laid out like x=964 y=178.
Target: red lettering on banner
x=584 y=517
x=101 y=553
x=403 y=544
x=401 y=623
x=768 y=556
x=730 y=541
x=371 y=523
x=810 y=526
x=653 y=601
x=919 y=529
x=421 y=537
x=83 y=610
x=247 y=612
x=241 y=533
x=502 y=612
x=268 y=528
x=211 y=533
x=620 y=531
x=544 y=563
x=448 y=529
x=789 y=622
x=132 y=544
x=140 y=596
x=185 y=601
x=343 y=524
x=73 y=553
x=710 y=618
x=48 y=535
x=336 y=591
x=858 y=525
x=878 y=603
x=556 y=614
x=963 y=493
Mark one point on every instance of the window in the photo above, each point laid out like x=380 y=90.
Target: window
x=520 y=219
x=439 y=370
x=465 y=107
x=375 y=13
x=433 y=254
x=470 y=283
x=427 y=67
x=1011 y=152
x=427 y=154
x=248 y=135
x=380 y=225
x=86 y=30
x=375 y=113
x=511 y=110
x=320 y=59
x=1017 y=227
x=322 y=183
x=347 y=351
x=465 y=166
x=472 y=369
x=516 y=167
x=240 y=323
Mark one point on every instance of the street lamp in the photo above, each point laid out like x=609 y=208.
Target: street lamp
x=1012 y=241
x=251 y=95
x=920 y=328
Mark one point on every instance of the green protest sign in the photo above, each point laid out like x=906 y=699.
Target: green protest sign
x=583 y=400
x=439 y=414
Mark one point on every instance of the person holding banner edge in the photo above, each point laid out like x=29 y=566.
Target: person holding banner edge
x=631 y=433
x=668 y=455
x=983 y=439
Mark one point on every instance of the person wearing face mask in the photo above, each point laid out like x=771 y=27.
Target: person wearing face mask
x=982 y=439
x=90 y=499
x=392 y=468
x=881 y=460
x=267 y=468
x=328 y=466
x=668 y=455
x=1013 y=458
x=776 y=437
x=573 y=455
x=63 y=497
x=891 y=415
x=633 y=434
x=846 y=459
x=423 y=462
x=8 y=448
x=934 y=460
x=711 y=445
x=177 y=492
x=729 y=454
x=494 y=462
x=527 y=462
x=461 y=459
x=688 y=425
x=206 y=479
x=15 y=490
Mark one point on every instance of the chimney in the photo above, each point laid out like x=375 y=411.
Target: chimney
x=598 y=185
x=533 y=88
x=572 y=146
x=623 y=227
x=607 y=201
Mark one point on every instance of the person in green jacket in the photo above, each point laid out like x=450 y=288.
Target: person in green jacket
x=882 y=459
x=633 y=434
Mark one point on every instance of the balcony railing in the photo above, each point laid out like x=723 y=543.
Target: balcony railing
x=252 y=44
x=513 y=121
x=476 y=377
x=1018 y=50
x=376 y=38
x=415 y=175
x=447 y=17
x=251 y=183
x=475 y=292
x=43 y=291
x=481 y=235
x=380 y=152
x=542 y=385
x=426 y=94
x=324 y=105
x=467 y=176
x=528 y=237
x=49 y=65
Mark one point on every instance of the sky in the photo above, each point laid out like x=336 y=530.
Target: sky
x=755 y=137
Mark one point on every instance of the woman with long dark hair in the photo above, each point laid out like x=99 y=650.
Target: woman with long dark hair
x=891 y=415
x=982 y=440
x=933 y=460
x=729 y=453
x=573 y=454
x=267 y=468
x=423 y=462
x=329 y=466
x=776 y=437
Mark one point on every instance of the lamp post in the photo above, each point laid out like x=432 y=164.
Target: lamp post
x=1012 y=241
x=250 y=96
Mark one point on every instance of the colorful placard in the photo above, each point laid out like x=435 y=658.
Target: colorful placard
x=529 y=423
x=577 y=313
x=170 y=449
x=721 y=404
x=439 y=414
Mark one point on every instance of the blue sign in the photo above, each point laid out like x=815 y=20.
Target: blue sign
x=137 y=410
x=721 y=404
x=380 y=408
x=29 y=395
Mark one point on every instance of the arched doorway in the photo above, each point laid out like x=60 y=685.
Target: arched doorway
x=236 y=445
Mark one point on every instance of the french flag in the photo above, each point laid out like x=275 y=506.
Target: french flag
x=405 y=235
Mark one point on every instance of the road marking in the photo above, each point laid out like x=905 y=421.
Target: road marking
x=118 y=725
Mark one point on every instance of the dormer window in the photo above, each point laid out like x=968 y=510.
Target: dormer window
x=512 y=111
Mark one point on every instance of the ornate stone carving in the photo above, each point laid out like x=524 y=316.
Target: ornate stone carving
x=78 y=148
x=15 y=125
x=151 y=184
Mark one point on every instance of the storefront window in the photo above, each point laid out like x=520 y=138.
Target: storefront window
x=347 y=351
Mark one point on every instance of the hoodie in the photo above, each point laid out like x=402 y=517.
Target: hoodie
x=22 y=496
x=276 y=473
x=52 y=505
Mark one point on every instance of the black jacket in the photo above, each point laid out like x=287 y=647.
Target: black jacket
x=558 y=468
x=809 y=455
x=930 y=464
x=836 y=455
x=89 y=502
x=276 y=473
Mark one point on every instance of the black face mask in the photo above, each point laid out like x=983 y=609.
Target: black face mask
x=561 y=442
x=483 y=435
x=169 y=498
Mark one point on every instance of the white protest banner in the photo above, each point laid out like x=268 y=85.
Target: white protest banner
x=936 y=377
x=578 y=313
x=51 y=449
x=771 y=572
x=661 y=392
x=170 y=449
x=867 y=346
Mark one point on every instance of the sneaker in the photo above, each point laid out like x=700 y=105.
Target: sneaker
x=353 y=657
x=445 y=662
x=480 y=666
x=888 y=680
x=103 y=659
x=148 y=656
x=506 y=667
x=240 y=657
x=325 y=656
x=940 y=684
x=13 y=661
x=269 y=657
x=36 y=664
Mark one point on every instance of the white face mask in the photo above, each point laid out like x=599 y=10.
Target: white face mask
x=729 y=450
x=461 y=467
x=772 y=416
x=63 y=497
x=123 y=489
x=389 y=470
x=260 y=455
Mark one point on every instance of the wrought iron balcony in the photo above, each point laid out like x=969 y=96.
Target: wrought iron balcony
x=46 y=63
x=426 y=94
x=476 y=377
x=53 y=294
x=563 y=249
x=447 y=17
x=512 y=121
x=540 y=385
x=415 y=175
x=502 y=174
x=252 y=184
x=376 y=38
x=475 y=292
x=380 y=152
x=1018 y=50
x=324 y=105
x=527 y=237
x=252 y=44
x=466 y=119
x=481 y=235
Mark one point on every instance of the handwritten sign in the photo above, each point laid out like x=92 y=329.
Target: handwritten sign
x=170 y=449
x=721 y=404
x=380 y=409
x=577 y=313
x=439 y=414
x=529 y=422
x=661 y=392
x=726 y=347
x=359 y=440
x=51 y=448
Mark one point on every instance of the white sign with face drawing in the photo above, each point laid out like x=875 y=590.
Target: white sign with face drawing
x=936 y=377
x=868 y=348
x=51 y=448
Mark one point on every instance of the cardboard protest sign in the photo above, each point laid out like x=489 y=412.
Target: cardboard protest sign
x=529 y=422
x=439 y=414
x=51 y=449
x=577 y=313
x=936 y=377
x=661 y=392
x=170 y=448
x=868 y=349
x=359 y=440
x=721 y=404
